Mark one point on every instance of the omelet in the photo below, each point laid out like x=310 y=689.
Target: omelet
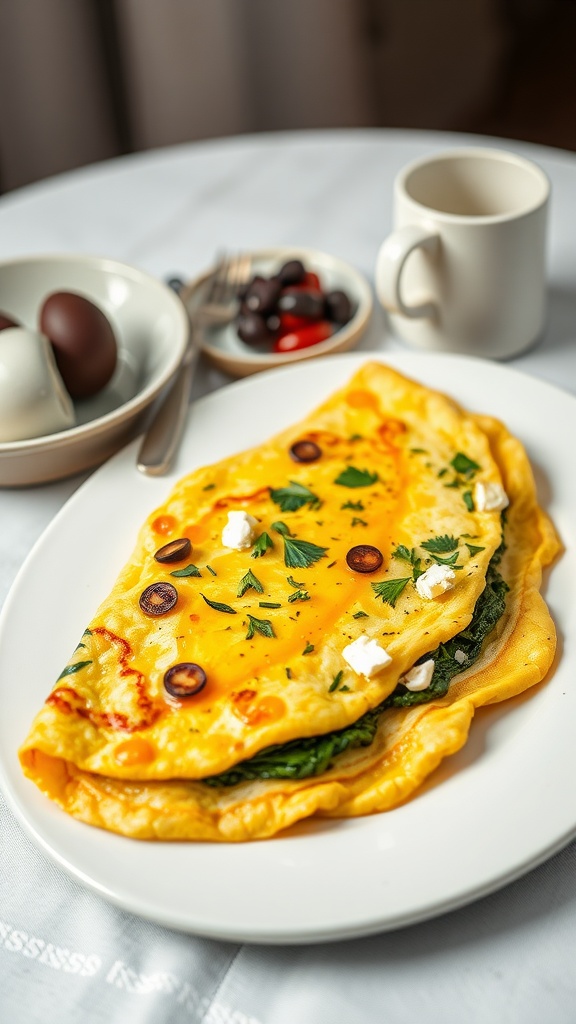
x=290 y=676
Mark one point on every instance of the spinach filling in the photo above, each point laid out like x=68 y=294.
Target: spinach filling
x=313 y=755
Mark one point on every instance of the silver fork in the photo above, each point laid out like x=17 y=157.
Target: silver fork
x=217 y=306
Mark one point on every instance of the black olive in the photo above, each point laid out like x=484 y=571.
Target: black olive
x=338 y=307
x=185 y=679
x=292 y=272
x=253 y=329
x=175 y=551
x=262 y=294
x=158 y=598
x=302 y=302
x=305 y=451
x=364 y=558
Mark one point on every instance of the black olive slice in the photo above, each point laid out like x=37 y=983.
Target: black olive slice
x=158 y=598
x=305 y=451
x=364 y=558
x=185 y=679
x=175 y=551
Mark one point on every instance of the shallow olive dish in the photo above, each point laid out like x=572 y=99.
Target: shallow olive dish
x=229 y=353
x=151 y=330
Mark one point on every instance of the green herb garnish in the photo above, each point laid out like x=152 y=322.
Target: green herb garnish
x=71 y=669
x=440 y=545
x=468 y=500
x=294 y=583
x=189 y=570
x=463 y=465
x=261 y=545
x=210 y=569
x=451 y=560
x=262 y=626
x=356 y=521
x=419 y=451
x=360 y=615
x=281 y=527
x=247 y=582
x=218 y=607
x=269 y=604
x=390 y=590
x=301 y=554
x=299 y=595
x=355 y=506
x=336 y=681
x=474 y=549
x=288 y=672
x=353 y=477
x=291 y=498
x=209 y=487
x=308 y=649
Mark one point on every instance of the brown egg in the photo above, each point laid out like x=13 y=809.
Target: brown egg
x=7 y=321
x=83 y=342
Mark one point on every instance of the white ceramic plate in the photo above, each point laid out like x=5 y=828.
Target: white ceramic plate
x=229 y=353
x=489 y=814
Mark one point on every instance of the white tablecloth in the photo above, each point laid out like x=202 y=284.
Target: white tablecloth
x=67 y=954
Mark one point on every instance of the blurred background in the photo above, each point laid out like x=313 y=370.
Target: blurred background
x=85 y=80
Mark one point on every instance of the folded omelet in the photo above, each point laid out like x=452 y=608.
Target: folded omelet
x=335 y=605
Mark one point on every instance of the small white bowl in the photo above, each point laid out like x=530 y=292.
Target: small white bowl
x=151 y=328
x=229 y=353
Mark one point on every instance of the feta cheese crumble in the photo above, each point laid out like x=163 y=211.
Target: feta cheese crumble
x=460 y=657
x=490 y=497
x=435 y=581
x=366 y=656
x=419 y=677
x=239 y=531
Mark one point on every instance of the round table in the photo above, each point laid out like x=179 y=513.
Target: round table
x=509 y=956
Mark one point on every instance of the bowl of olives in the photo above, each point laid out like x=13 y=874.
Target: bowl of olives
x=295 y=304
x=104 y=337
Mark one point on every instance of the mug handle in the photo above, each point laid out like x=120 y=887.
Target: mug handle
x=390 y=262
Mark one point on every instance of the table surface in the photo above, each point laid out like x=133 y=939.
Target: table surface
x=508 y=957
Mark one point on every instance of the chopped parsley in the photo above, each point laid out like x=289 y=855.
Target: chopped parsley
x=468 y=500
x=249 y=581
x=300 y=554
x=291 y=498
x=409 y=555
x=451 y=560
x=440 y=545
x=262 y=544
x=294 y=583
x=262 y=626
x=356 y=521
x=308 y=649
x=463 y=465
x=189 y=570
x=474 y=549
x=360 y=615
x=353 y=477
x=281 y=527
x=209 y=487
x=269 y=604
x=218 y=606
x=210 y=569
x=71 y=669
x=354 y=506
x=336 y=681
x=390 y=590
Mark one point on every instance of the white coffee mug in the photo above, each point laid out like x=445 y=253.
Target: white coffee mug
x=33 y=399
x=464 y=271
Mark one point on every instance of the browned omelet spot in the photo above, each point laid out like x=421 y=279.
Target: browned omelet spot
x=112 y=750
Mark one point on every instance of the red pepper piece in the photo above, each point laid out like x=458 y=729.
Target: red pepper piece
x=305 y=337
x=289 y=323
